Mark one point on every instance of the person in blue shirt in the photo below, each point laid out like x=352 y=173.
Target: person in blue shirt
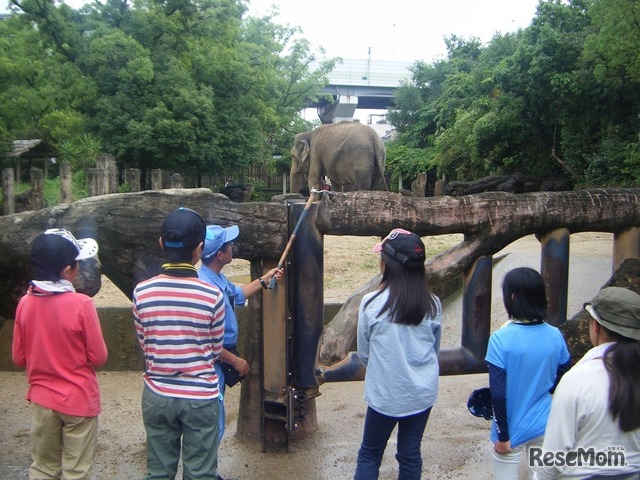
x=218 y=252
x=399 y=329
x=526 y=358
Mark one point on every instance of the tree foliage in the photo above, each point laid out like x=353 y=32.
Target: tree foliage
x=560 y=97
x=189 y=85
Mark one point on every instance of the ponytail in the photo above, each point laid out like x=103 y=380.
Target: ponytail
x=622 y=361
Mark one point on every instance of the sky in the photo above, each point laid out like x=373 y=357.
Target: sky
x=402 y=30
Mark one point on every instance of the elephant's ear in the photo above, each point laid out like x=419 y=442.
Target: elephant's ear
x=304 y=157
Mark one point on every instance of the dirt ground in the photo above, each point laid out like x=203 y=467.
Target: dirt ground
x=455 y=445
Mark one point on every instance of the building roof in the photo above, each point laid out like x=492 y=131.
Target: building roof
x=34 y=148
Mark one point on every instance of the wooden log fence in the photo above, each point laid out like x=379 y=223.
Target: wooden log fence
x=127 y=226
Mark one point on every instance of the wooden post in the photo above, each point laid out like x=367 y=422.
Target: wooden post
x=108 y=164
x=37 y=182
x=18 y=177
x=65 y=182
x=156 y=179
x=438 y=190
x=279 y=405
x=92 y=182
x=266 y=325
x=177 y=181
x=103 y=181
x=133 y=178
x=8 y=185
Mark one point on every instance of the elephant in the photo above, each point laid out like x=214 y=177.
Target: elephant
x=352 y=155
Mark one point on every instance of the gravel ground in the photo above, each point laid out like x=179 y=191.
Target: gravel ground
x=455 y=445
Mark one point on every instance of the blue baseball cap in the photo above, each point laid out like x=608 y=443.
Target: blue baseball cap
x=216 y=237
x=480 y=403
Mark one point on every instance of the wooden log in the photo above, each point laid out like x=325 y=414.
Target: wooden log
x=127 y=228
x=489 y=221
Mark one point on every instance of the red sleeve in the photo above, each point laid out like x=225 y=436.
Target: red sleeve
x=18 y=350
x=94 y=342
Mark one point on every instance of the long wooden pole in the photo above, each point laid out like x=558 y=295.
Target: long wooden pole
x=292 y=238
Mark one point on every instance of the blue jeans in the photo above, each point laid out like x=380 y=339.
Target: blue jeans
x=377 y=430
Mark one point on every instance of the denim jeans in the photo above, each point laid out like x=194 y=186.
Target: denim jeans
x=174 y=424
x=377 y=430
x=221 y=387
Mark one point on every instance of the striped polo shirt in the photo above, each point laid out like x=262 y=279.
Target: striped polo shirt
x=180 y=326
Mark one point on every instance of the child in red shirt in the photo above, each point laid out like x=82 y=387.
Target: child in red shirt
x=57 y=337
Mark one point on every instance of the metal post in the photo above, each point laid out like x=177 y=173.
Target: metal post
x=476 y=322
x=554 y=269
x=307 y=305
x=626 y=244
x=292 y=328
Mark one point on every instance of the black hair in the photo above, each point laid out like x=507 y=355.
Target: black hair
x=409 y=299
x=622 y=361
x=178 y=255
x=524 y=294
x=45 y=275
x=181 y=232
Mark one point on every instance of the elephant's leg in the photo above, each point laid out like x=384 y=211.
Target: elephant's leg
x=337 y=186
x=316 y=175
x=363 y=172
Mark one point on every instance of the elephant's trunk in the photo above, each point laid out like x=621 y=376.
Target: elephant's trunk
x=295 y=180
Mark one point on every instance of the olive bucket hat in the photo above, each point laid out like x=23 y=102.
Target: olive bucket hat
x=617 y=309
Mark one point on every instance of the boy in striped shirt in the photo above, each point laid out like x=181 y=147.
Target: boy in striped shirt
x=179 y=321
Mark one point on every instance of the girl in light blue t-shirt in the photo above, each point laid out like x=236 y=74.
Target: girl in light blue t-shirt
x=526 y=358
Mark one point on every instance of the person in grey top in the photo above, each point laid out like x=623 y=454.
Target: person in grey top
x=399 y=328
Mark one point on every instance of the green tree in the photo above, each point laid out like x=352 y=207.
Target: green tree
x=39 y=90
x=610 y=73
x=185 y=85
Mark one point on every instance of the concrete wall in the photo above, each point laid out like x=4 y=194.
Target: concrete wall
x=120 y=337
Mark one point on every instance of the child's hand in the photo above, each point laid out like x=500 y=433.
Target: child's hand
x=502 y=447
x=241 y=365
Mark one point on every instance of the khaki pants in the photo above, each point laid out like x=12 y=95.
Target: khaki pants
x=180 y=424
x=63 y=446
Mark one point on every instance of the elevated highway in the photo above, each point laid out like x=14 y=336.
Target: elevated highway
x=361 y=83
